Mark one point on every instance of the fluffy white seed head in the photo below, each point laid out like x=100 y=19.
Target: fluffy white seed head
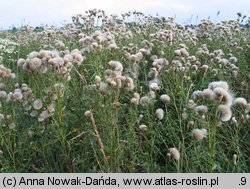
x=129 y=84
x=20 y=62
x=159 y=113
x=208 y=94
x=174 y=153
x=184 y=52
x=222 y=84
x=132 y=57
x=103 y=87
x=43 y=115
x=240 y=102
x=190 y=124
x=204 y=68
x=17 y=95
x=33 y=54
x=68 y=58
x=225 y=112
x=78 y=58
x=113 y=46
x=3 y=94
x=137 y=96
x=88 y=113
x=185 y=114
x=191 y=104
x=113 y=83
x=165 y=98
x=135 y=101
x=144 y=100
x=51 y=108
x=234 y=120
x=33 y=113
x=143 y=128
x=44 y=53
x=35 y=63
x=201 y=110
x=116 y=65
x=199 y=134
x=97 y=80
x=37 y=104
x=177 y=52
x=197 y=95
x=222 y=95
x=154 y=86
x=12 y=125
x=2 y=85
x=151 y=95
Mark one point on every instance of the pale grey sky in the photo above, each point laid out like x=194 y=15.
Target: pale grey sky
x=37 y=12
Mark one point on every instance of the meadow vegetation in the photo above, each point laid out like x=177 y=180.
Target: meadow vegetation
x=128 y=93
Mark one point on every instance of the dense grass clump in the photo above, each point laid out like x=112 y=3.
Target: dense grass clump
x=129 y=94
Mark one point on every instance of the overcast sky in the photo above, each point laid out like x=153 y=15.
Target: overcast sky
x=37 y=12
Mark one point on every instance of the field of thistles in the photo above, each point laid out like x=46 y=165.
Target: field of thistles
x=126 y=93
